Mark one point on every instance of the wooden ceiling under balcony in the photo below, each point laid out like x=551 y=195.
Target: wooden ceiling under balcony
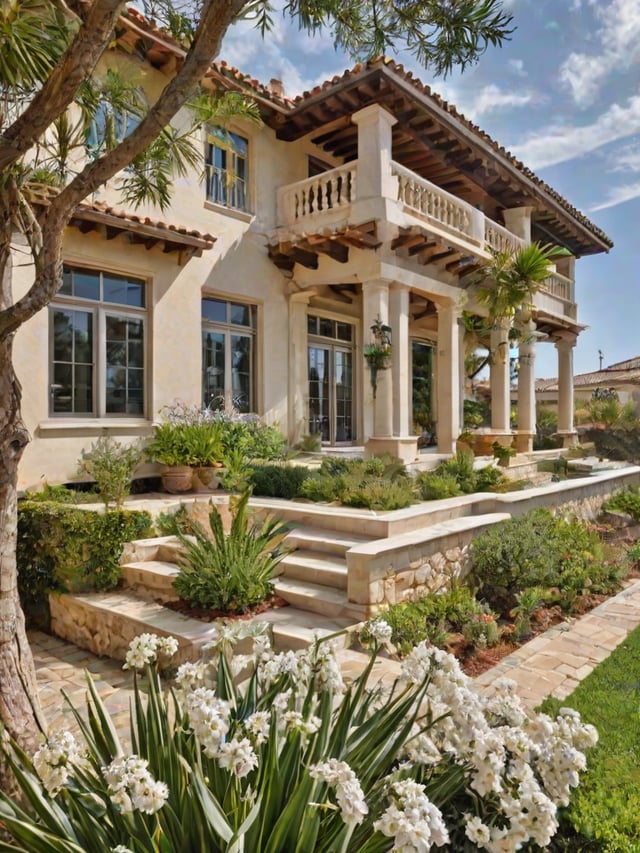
x=438 y=144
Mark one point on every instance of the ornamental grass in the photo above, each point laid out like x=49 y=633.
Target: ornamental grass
x=294 y=759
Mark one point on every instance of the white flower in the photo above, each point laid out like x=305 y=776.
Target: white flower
x=55 y=759
x=146 y=648
x=380 y=631
x=258 y=726
x=208 y=718
x=349 y=794
x=237 y=756
x=476 y=830
x=412 y=820
x=120 y=849
x=132 y=787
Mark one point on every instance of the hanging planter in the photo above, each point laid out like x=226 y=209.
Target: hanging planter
x=377 y=354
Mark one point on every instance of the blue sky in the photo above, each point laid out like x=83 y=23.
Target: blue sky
x=563 y=96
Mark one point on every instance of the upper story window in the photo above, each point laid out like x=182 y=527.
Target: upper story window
x=97 y=345
x=227 y=169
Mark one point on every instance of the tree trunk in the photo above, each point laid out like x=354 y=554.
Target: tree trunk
x=20 y=711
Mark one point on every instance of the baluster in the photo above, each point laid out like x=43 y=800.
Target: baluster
x=329 y=190
x=352 y=189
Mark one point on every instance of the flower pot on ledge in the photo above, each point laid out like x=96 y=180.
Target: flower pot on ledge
x=177 y=478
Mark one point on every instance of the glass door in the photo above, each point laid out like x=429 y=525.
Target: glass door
x=330 y=372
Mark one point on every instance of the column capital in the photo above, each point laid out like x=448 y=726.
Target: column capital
x=372 y=114
x=565 y=341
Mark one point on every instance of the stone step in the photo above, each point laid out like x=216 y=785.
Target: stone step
x=315 y=567
x=106 y=623
x=328 y=602
x=319 y=539
x=152 y=580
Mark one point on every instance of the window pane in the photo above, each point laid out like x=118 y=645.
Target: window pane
x=327 y=328
x=241 y=372
x=83 y=389
x=240 y=315
x=72 y=374
x=213 y=369
x=214 y=310
x=124 y=381
x=62 y=388
x=66 y=282
x=86 y=284
x=312 y=325
x=344 y=331
x=123 y=290
x=239 y=144
x=62 y=335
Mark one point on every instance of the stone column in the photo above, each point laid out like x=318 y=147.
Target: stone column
x=518 y=221
x=500 y=380
x=401 y=360
x=526 y=388
x=448 y=369
x=298 y=369
x=378 y=414
x=374 y=153
x=566 y=427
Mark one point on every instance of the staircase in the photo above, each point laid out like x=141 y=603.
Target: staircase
x=312 y=582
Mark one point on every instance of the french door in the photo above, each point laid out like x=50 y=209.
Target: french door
x=331 y=393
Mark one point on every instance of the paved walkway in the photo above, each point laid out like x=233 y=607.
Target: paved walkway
x=551 y=664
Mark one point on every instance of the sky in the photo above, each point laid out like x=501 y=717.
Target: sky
x=563 y=95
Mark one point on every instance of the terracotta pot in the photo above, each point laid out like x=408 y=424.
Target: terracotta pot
x=177 y=478
x=205 y=479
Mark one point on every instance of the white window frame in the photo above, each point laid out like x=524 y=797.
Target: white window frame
x=226 y=177
x=228 y=329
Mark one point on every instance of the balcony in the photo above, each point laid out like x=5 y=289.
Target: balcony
x=332 y=200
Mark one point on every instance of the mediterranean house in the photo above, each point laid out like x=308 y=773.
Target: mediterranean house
x=367 y=199
x=622 y=377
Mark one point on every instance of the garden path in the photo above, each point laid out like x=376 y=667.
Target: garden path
x=552 y=664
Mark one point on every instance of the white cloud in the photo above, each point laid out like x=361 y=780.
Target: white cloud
x=618 y=195
x=619 y=41
x=517 y=66
x=491 y=98
x=565 y=142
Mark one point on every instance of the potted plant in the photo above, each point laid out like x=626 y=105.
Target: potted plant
x=204 y=443
x=169 y=447
x=378 y=353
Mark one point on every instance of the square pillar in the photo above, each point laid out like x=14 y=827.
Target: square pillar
x=374 y=153
x=526 y=388
x=518 y=221
x=566 y=427
x=298 y=369
x=401 y=359
x=500 y=379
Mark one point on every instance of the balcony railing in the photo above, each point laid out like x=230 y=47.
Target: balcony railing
x=559 y=286
x=436 y=204
x=332 y=190
x=500 y=239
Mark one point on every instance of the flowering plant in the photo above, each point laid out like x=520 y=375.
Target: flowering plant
x=297 y=760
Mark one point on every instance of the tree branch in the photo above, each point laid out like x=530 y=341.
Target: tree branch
x=60 y=87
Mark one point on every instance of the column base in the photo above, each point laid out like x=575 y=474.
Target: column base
x=524 y=441
x=402 y=448
x=569 y=437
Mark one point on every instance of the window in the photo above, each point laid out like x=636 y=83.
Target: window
x=97 y=344
x=228 y=354
x=226 y=166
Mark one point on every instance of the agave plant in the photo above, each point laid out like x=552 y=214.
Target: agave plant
x=231 y=573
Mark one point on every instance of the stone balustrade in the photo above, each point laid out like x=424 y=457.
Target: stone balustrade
x=330 y=191
x=500 y=239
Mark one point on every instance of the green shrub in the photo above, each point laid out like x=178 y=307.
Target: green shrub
x=540 y=550
x=489 y=479
x=378 y=493
x=627 y=500
x=67 y=549
x=233 y=572
x=323 y=487
x=435 y=487
x=460 y=466
x=111 y=465
x=435 y=616
x=278 y=481
x=62 y=494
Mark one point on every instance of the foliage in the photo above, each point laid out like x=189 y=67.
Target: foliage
x=460 y=466
x=67 y=549
x=298 y=760
x=503 y=453
x=378 y=352
x=609 y=412
x=605 y=814
x=433 y=617
x=236 y=473
x=489 y=478
x=173 y=523
x=514 y=278
x=112 y=465
x=61 y=494
x=169 y=445
x=476 y=413
x=625 y=500
x=231 y=573
x=435 y=487
x=564 y=557
x=278 y=481
x=373 y=483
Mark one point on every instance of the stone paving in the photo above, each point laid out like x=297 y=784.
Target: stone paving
x=551 y=664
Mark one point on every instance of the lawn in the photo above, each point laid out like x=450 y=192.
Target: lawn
x=605 y=810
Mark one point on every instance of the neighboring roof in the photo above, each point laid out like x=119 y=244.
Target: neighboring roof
x=431 y=131
x=621 y=373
